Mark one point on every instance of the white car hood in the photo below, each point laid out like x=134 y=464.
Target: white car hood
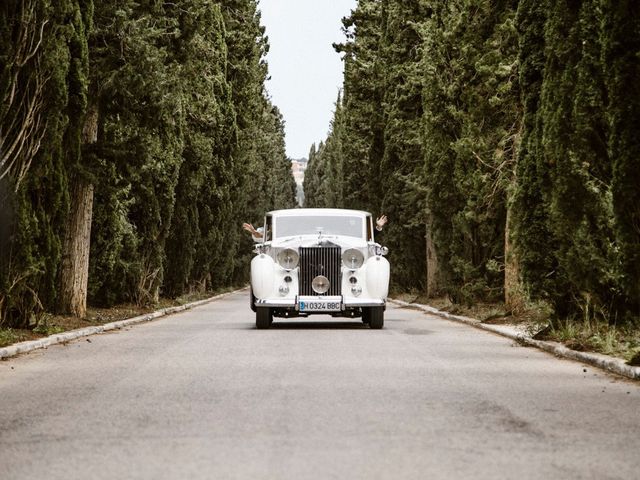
x=314 y=241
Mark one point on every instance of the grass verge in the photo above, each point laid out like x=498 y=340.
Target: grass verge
x=589 y=336
x=50 y=324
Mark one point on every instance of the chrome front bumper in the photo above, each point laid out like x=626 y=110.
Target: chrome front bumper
x=349 y=302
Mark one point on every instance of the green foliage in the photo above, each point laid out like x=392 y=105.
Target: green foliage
x=401 y=196
x=371 y=158
x=204 y=185
x=325 y=178
x=452 y=113
x=567 y=233
x=455 y=113
x=574 y=145
x=361 y=127
x=197 y=148
x=531 y=234
x=621 y=59
x=37 y=190
x=188 y=147
x=471 y=124
x=261 y=172
x=426 y=133
x=136 y=88
x=313 y=179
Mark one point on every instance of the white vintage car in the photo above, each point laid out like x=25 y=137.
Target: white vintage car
x=319 y=261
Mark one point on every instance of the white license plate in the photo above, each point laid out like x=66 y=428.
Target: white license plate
x=314 y=304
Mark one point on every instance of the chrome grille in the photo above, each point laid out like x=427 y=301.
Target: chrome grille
x=316 y=261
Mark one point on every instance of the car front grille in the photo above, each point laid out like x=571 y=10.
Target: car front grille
x=316 y=261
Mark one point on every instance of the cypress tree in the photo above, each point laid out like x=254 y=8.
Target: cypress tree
x=81 y=133
x=469 y=140
x=315 y=179
x=311 y=178
x=247 y=73
x=37 y=181
x=531 y=234
x=574 y=141
x=139 y=149
x=200 y=50
x=362 y=123
x=326 y=167
x=621 y=50
x=403 y=155
x=440 y=128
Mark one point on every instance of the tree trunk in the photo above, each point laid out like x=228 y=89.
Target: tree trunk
x=432 y=266
x=77 y=238
x=514 y=297
x=75 y=259
x=6 y=222
x=6 y=230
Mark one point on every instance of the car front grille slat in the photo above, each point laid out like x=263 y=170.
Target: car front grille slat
x=316 y=261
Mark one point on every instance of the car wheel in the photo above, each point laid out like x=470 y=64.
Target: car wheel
x=376 y=317
x=366 y=315
x=252 y=300
x=264 y=316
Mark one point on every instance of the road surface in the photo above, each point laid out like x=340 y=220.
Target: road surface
x=202 y=394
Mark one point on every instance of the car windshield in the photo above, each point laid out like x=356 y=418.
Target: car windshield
x=316 y=224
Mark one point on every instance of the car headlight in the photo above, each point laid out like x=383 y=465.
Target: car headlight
x=352 y=258
x=288 y=258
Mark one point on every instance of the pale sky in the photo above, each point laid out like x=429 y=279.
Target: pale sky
x=306 y=73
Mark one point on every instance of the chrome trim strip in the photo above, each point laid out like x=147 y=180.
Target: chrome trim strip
x=276 y=303
x=363 y=302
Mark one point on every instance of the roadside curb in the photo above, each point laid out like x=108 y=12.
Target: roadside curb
x=605 y=362
x=64 y=337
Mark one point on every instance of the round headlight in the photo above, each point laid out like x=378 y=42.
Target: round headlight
x=288 y=258
x=352 y=258
x=320 y=284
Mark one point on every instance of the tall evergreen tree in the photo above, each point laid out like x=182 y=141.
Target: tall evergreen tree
x=259 y=129
x=470 y=135
x=530 y=233
x=315 y=179
x=312 y=177
x=325 y=188
x=403 y=154
x=42 y=88
x=621 y=57
x=139 y=147
x=362 y=142
x=246 y=72
x=575 y=150
x=203 y=193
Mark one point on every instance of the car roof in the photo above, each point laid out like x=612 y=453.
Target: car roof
x=297 y=212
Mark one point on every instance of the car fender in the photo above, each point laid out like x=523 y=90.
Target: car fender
x=378 y=272
x=262 y=276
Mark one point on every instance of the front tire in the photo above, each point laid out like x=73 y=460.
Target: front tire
x=252 y=300
x=375 y=317
x=264 y=317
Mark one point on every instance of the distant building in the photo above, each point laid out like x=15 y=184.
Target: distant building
x=298 y=167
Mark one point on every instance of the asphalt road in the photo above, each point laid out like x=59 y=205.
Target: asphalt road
x=202 y=394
